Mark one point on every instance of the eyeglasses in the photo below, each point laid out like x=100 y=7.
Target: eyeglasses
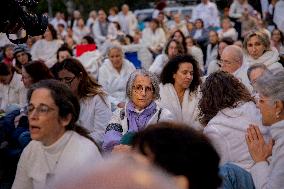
x=67 y=80
x=41 y=110
x=140 y=89
x=222 y=62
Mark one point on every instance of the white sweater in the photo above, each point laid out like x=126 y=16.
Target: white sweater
x=113 y=82
x=159 y=64
x=40 y=166
x=271 y=176
x=227 y=132
x=95 y=114
x=187 y=111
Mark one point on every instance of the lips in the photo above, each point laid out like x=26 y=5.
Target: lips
x=34 y=129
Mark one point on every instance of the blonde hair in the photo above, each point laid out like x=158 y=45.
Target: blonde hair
x=263 y=38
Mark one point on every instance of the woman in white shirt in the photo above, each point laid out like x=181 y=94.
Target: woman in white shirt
x=95 y=109
x=180 y=80
x=59 y=145
x=227 y=30
x=113 y=75
x=45 y=49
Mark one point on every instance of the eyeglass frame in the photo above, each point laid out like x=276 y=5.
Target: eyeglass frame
x=39 y=110
x=147 y=89
x=69 y=82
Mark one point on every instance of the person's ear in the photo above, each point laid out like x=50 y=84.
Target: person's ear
x=279 y=108
x=181 y=181
x=66 y=120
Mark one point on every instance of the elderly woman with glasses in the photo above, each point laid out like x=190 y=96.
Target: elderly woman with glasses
x=141 y=110
x=95 y=108
x=59 y=145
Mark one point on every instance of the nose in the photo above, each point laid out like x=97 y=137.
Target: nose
x=143 y=92
x=32 y=115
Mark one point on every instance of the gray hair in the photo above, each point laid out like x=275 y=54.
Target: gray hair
x=236 y=51
x=257 y=66
x=271 y=85
x=153 y=78
x=110 y=47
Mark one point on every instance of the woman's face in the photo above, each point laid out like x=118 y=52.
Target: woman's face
x=267 y=110
x=221 y=47
x=69 y=79
x=22 y=57
x=198 y=24
x=226 y=24
x=173 y=49
x=178 y=37
x=44 y=122
x=276 y=36
x=184 y=75
x=115 y=56
x=9 y=53
x=142 y=92
x=26 y=78
x=47 y=35
x=213 y=37
x=255 y=48
x=189 y=42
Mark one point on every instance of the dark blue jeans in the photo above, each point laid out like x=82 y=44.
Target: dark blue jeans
x=235 y=177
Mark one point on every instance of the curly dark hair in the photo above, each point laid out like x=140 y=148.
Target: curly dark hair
x=181 y=150
x=172 y=67
x=220 y=90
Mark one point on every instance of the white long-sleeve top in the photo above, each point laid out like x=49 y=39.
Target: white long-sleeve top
x=152 y=39
x=271 y=176
x=14 y=93
x=159 y=64
x=128 y=22
x=114 y=82
x=208 y=13
x=186 y=112
x=231 y=33
x=46 y=51
x=40 y=165
x=227 y=132
x=95 y=113
x=237 y=9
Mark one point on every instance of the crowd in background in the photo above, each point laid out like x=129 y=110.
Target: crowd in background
x=199 y=96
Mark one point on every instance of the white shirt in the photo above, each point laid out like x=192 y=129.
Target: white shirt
x=152 y=39
x=208 y=13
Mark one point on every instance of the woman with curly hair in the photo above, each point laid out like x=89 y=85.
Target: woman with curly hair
x=226 y=110
x=179 y=89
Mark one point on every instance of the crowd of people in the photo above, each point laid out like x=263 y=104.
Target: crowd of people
x=195 y=101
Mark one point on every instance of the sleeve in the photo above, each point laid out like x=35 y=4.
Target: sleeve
x=101 y=118
x=34 y=52
x=22 y=180
x=260 y=172
x=97 y=33
x=113 y=132
x=103 y=76
x=232 y=11
x=219 y=142
x=157 y=65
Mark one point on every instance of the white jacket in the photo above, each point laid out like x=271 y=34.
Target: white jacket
x=40 y=166
x=187 y=112
x=113 y=82
x=197 y=54
x=128 y=23
x=152 y=39
x=271 y=176
x=95 y=113
x=227 y=132
x=14 y=93
x=269 y=59
x=241 y=74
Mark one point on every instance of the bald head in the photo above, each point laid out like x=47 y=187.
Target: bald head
x=231 y=58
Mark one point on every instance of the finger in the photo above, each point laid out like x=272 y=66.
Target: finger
x=253 y=133
x=249 y=134
x=248 y=140
x=258 y=133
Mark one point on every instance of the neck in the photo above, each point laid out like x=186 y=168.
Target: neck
x=180 y=90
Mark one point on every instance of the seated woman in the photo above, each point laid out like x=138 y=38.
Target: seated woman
x=268 y=173
x=226 y=110
x=22 y=56
x=53 y=112
x=172 y=49
x=180 y=80
x=194 y=50
x=258 y=50
x=95 y=109
x=142 y=90
x=15 y=124
x=113 y=75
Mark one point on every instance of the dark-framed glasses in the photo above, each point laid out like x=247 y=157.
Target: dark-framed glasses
x=67 y=80
x=141 y=88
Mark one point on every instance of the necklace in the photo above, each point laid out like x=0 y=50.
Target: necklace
x=51 y=170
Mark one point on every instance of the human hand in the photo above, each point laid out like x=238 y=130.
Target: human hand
x=121 y=105
x=258 y=149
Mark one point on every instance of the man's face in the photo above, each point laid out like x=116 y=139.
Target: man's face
x=229 y=63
